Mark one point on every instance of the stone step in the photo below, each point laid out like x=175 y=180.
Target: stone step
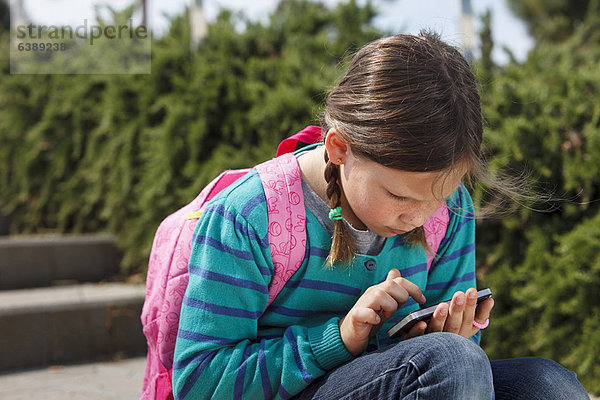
x=36 y=261
x=108 y=380
x=56 y=325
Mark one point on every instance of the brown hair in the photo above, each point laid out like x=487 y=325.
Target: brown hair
x=406 y=102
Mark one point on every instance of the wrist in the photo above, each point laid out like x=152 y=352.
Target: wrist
x=327 y=345
x=353 y=347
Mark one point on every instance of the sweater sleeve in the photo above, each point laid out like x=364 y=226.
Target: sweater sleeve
x=219 y=352
x=453 y=269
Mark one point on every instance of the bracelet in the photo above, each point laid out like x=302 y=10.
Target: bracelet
x=481 y=326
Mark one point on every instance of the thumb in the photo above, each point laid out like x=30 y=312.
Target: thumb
x=393 y=274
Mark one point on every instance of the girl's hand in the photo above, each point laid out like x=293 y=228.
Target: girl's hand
x=378 y=303
x=457 y=317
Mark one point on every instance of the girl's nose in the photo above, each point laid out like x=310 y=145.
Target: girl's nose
x=414 y=218
x=417 y=216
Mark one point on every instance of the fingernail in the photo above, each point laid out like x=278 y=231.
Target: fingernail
x=472 y=295
x=460 y=300
x=443 y=312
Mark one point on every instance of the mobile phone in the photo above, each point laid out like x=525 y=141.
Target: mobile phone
x=402 y=327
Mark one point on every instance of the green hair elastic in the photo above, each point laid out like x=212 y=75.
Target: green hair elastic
x=336 y=213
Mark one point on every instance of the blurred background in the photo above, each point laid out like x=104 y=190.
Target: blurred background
x=114 y=154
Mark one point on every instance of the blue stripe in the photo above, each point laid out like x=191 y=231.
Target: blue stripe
x=290 y=312
x=193 y=378
x=445 y=285
x=410 y=271
x=252 y=204
x=455 y=209
x=265 y=271
x=230 y=280
x=294 y=346
x=455 y=232
x=457 y=254
x=283 y=393
x=238 y=389
x=221 y=310
x=317 y=252
x=207 y=240
x=326 y=286
x=198 y=337
x=264 y=372
x=195 y=359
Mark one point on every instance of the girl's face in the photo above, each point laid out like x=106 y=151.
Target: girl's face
x=388 y=201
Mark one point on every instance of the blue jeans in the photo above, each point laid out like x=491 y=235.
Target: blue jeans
x=444 y=366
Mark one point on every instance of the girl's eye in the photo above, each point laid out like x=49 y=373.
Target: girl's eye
x=396 y=197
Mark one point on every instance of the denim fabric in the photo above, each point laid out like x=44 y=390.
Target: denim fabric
x=444 y=366
x=535 y=379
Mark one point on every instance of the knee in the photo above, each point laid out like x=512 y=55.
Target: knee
x=459 y=364
x=452 y=349
x=550 y=380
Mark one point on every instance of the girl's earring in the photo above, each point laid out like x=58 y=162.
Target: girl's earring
x=339 y=160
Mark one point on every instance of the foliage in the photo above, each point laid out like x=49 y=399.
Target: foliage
x=544 y=117
x=554 y=20
x=118 y=153
x=4 y=16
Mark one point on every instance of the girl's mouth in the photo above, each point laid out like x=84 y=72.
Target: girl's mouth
x=396 y=231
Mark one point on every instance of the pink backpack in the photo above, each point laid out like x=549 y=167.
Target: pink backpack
x=168 y=264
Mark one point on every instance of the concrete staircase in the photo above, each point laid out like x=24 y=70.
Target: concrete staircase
x=59 y=306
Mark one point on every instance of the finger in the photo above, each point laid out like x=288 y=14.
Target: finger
x=411 y=289
x=417 y=330
x=394 y=273
x=379 y=299
x=438 y=320
x=483 y=310
x=469 y=313
x=455 y=313
x=364 y=318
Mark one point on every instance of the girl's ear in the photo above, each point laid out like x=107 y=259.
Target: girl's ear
x=336 y=147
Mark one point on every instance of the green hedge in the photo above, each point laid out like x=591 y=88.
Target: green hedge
x=118 y=153
x=544 y=267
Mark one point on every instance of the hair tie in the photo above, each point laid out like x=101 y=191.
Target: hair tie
x=479 y=325
x=335 y=213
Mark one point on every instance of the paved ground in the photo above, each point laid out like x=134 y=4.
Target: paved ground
x=120 y=380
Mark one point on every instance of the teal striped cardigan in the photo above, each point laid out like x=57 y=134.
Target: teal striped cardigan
x=229 y=346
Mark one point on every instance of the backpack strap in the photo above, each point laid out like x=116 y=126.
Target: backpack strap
x=222 y=181
x=309 y=135
x=282 y=183
x=435 y=229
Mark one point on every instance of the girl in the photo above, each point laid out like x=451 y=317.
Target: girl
x=401 y=131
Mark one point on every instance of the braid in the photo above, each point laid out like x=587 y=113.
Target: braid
x=342 y=245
